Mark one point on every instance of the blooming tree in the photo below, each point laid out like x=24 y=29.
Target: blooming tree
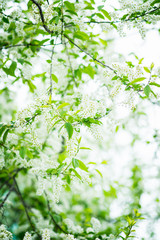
x=75 y=159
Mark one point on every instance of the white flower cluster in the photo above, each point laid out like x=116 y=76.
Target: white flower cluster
x=72 y=146
x=111 y=237
x=89 y=230
x=133 y=6
x=4 y=233
x=70 y=237
x=89 y=108
x=71 y=227
x=131 y=73
x=96 y=131
x=37 y=120
x=96 y=224
x=52 y=185
x=46 y=234
x=3 y=3
x=130 y=7
x=27 y=236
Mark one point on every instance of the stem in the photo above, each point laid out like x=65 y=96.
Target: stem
x=4 y=200
x=42 y=17
x=23 y=203
x=50 y=210
x=95 y=59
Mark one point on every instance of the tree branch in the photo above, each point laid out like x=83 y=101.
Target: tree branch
x=95 y=59
x=9 y=192
x=23 y=203
x=50 y=213
x=42 y=17
x=27 y=45
x=125 y=20
x=70 y=64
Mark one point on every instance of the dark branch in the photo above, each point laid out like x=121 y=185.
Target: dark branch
x=70 y=64
x=4 y=200
x=42 y=17
x=27 y=45
x=10 y=177
x=50 y=213
x=95 y=59
x=23 y=203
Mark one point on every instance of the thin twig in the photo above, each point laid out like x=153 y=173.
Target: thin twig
x=70 y=64
x=23 y=203
x=50 y=213
x=27 y=45
x=51 y=85
x=9 y=192
x=95 y=59
x=10 y=177
x=62 y=21
x=42 y=17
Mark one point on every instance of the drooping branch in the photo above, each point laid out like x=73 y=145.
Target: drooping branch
x=125 y=20
x=27 y=45
x=23 y=203
x=87 y=53
x=6 y=197
x=42 y=17
x=70 y=64
x=82 y=50
x=10 y=177
x=50 y=213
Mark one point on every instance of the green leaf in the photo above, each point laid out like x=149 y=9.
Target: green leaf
x=5 y=135
x=137 y=80
x=81 y=35
x=154 y=2
x=106 y=14
x=51 y=171
x=147 y=69
x=31 y=86
x=100 y=15
x=104 y=162
x=69 y=129
x=76 y=173
x=2 y=129
x=85 y=148
x=69 y=5
x=104 y=42
x=54 y=78
x=152 y=65
x=99 y=172
x=147 y=90
x=4 y=19
x=22 y=152
x=82 y=166
x=63 y=105
x=11 y=70
x=141 y=60
x=100 y=7
x=154 y=84
x=90 y=71
x=75 y=162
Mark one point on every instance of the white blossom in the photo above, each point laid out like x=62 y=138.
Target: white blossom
x=96 y=224
x=27 y=236
x=46 y=234
x=4 y=233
